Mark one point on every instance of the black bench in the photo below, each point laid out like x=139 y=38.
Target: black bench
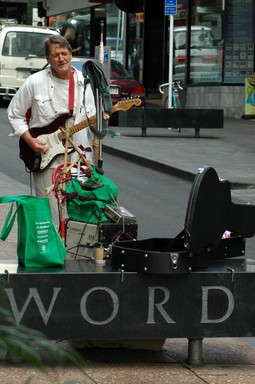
x=172 y=118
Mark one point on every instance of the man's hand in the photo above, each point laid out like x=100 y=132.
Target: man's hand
x=106 y=116
x=37 y=145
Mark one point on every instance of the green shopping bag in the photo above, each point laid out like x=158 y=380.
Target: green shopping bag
x=39 y=244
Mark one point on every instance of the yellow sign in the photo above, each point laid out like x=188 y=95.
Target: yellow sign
x=249 y=96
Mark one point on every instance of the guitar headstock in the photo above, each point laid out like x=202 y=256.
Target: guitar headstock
x=125 y=105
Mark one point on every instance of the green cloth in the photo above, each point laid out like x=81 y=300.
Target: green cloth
x=88 y=205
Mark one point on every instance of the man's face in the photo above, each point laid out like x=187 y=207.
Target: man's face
x=59 y=58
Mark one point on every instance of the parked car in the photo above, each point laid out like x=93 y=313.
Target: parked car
x=122 y=85
x=21 y=49
x=205 y=57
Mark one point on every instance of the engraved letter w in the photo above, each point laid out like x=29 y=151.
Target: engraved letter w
x=33 y=294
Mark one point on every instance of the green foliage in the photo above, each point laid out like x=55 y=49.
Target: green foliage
x=22 y=344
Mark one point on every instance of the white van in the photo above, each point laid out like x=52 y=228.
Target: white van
x=21 y=50
x=205 y=57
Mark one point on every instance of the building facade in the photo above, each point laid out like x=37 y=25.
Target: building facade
x=212 y=42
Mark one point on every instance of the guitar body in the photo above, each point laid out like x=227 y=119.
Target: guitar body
x=53 y=136
x=36 y=162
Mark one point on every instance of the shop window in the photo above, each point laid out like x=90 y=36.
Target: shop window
x=116 y=32
x=198 y=51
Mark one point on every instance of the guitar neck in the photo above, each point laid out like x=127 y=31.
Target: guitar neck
x=78 y=127
x=83 y=124
x=122 y=105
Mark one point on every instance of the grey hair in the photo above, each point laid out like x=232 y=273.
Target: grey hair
x=58 y=40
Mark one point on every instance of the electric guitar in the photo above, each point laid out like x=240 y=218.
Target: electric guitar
x=54 y=136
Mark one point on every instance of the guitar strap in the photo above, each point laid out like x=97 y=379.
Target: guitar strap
x=71 y=94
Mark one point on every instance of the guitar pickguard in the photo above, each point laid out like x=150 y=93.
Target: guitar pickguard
x=56 y=147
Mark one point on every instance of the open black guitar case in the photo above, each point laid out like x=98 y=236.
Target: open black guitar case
x=210 y=212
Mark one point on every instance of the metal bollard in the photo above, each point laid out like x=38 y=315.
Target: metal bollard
x=195 y=352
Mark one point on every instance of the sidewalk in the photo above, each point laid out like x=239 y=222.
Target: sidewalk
x=231 y=152
x=225 y=361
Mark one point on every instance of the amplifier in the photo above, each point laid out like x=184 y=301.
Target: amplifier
x=110 y=232
x=82 y=237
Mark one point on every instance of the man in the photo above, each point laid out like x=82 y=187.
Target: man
x=46 y=95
